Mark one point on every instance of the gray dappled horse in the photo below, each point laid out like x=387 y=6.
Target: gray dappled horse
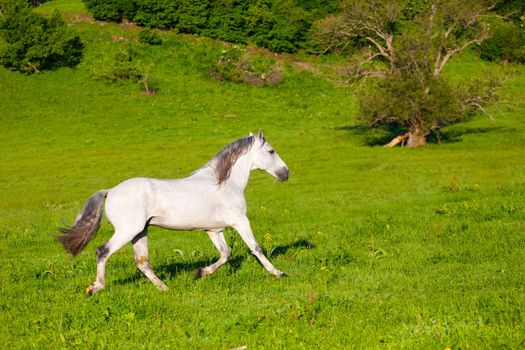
x=211 y=199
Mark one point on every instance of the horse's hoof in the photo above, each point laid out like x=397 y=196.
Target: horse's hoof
x=90 y=290
x=162 y=287
x=199 y=273
x=280 y=274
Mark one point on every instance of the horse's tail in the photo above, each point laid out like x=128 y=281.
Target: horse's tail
x=87 y=223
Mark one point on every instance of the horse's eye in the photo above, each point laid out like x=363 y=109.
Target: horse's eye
x=271 y=151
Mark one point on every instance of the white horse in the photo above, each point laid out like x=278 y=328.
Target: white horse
x=211 y=199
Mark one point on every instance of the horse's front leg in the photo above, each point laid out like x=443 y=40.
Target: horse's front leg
x=217 y=237
x=245 y=231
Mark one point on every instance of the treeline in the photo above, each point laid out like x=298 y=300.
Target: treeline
x=289 y=25
x=279 y=25
x=34 y=42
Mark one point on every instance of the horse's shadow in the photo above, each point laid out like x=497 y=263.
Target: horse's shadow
x=172 y=269
x=283 y=249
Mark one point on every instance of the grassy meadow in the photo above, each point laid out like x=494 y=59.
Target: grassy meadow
x=384 y=248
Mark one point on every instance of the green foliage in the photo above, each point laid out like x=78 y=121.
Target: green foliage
x=227 y=21
x=123 y=68
x=126 y=65
x=105 y=10
x=34 y=42
x=399 y=100
x=150 y=37
x=513 y=9
x=236 y=66
x=278 y=25
x=192 y=15
x=156 y=13
x=319 y=8
x=36 y=3
x=227 y=66
x=506 y=43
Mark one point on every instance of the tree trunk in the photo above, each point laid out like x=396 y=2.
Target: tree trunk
x=416 y=137
x=401 y=139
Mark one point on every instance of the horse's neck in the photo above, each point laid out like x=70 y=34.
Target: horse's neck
x=240 y=172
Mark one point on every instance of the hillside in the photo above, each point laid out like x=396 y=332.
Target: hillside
x=397 y=248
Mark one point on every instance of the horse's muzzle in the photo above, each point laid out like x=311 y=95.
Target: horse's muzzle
x=283 y=174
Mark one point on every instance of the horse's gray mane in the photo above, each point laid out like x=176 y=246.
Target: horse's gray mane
x=224 y=160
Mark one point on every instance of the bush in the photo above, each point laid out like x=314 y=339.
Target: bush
x=148 y=36
x=126 y=66
x=35 y=43
x=111 y=10
x=105 y=10
x=236 y=66
x=398 y=100
x=507 y=43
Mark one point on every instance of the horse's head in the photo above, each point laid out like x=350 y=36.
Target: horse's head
x=265 y=158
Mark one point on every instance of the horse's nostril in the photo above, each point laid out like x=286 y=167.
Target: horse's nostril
x=284 y=174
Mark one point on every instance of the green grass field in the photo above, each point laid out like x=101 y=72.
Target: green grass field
x=384 y=248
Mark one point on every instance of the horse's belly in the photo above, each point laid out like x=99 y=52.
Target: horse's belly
x=189 y=214
x=187 y=224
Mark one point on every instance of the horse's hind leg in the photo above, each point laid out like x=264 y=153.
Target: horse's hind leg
x=122 y=235
x=104 y=251
x=140 y=250
x=217 y=237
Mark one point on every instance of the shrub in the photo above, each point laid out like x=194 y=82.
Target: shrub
x=226 y=67
x=126 y=66
x=507 y=43
x=150 y=37
x=111 y=10
x=236 y=66
x=105 y=10
x=35 y=43
x=398 y=100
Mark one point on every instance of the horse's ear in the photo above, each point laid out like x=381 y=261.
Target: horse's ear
x=260 y=135
x=250 y=134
